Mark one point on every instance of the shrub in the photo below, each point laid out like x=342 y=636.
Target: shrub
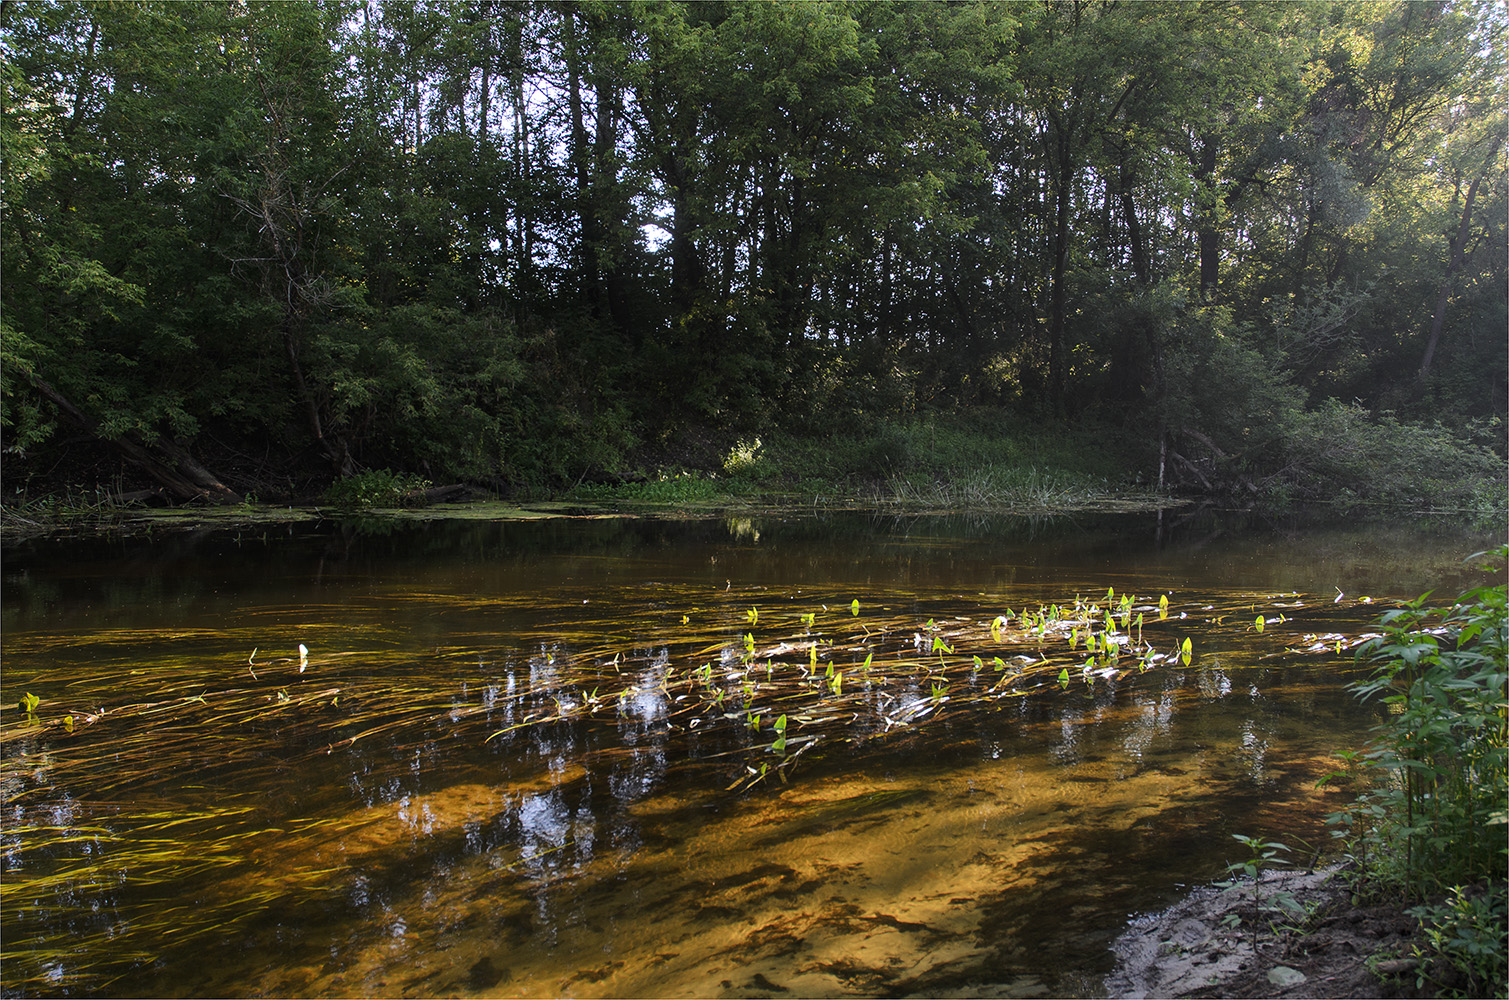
x=1434 y=823
x=1338 y=449
x=375 y=488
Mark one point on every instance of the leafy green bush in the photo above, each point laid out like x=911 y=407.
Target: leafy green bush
x=670 y=488
x=1467 y=932
x=950 y=446
x=1340 y=450
x=1434 y=824
x=375 y=488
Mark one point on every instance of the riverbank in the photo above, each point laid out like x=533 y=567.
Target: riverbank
x=978 y=459
x=1225 y=942
x=684 y=496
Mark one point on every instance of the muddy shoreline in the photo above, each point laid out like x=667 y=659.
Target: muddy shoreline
x=1294 y=934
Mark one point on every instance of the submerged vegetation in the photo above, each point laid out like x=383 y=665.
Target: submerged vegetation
x=751 y=688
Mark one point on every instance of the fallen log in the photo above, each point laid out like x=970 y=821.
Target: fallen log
x=168 y=463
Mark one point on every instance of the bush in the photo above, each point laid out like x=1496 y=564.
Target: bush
x=1434 y=824
x=1339 y=450
x=375 y=488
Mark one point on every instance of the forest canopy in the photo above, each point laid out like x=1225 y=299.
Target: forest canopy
x=248 y=245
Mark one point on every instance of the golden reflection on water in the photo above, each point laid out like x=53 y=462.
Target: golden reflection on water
x=892 y=878
x=480 y=790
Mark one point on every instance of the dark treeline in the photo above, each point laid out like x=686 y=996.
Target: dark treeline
x=520 y=241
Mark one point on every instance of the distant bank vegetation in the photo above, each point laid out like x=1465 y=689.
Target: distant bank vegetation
x=924 y=253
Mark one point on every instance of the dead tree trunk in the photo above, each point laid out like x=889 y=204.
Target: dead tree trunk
x=168 y=463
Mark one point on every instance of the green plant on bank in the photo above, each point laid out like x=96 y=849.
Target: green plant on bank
x=1433 y=824
x=375 y=488
x=669 y=488
x=1262 y=856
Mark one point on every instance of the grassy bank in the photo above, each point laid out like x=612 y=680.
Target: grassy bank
x=981 y=459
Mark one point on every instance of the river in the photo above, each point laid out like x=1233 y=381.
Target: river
x=831 y=754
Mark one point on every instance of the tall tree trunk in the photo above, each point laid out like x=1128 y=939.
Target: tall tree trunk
x=606 y=201
x=577 y=158
x=1456 y=259
x=484 y=96
x=1058 y=301
x=688 y=273
x=1136 y=237
x=1208 y=236
x=334 y=448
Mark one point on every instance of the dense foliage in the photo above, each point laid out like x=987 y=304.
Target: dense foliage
x=250 y=245
x=1434 y=824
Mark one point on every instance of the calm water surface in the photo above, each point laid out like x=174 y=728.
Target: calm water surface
x=535 y=758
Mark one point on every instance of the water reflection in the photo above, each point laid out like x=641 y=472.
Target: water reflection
x=502 y=776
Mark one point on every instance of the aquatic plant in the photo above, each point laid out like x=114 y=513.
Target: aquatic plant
x=764 y=701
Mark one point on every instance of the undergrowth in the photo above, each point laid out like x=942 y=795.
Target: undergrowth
x=375 y=488
x=976 y=460
x=1434 y=825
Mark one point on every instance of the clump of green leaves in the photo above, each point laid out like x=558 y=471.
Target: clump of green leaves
x=1262 y=856
x=376 y=488
x=1434 y=823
